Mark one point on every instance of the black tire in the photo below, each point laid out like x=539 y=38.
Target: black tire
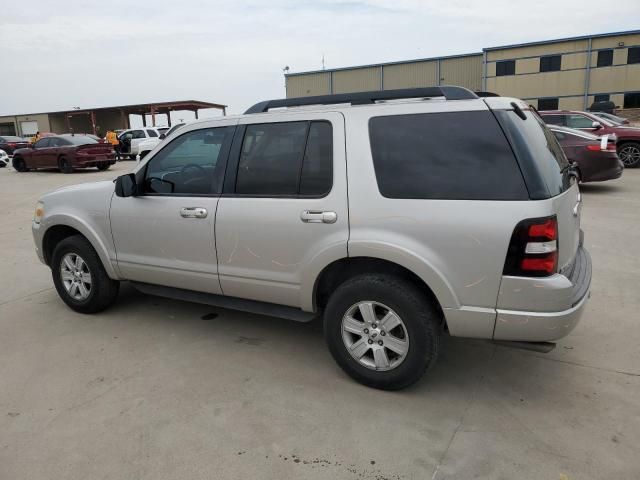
x=103 y=291
x=420 y=318
x=104 y=166
x=19 y=165
x=64 y=165
x=629 y=153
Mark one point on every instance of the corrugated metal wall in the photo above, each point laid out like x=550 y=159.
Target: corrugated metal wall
x=462 y=71
x=308 y=85
x=410 y=75
x=356 y=80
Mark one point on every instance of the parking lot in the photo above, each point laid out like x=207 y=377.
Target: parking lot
x=160 y=389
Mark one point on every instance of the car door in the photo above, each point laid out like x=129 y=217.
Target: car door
x=137 y=136
x=41 y=151
x=165 y=234
x=284 y=206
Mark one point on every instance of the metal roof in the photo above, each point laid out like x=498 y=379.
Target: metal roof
x=567 y=39
x=384 y=64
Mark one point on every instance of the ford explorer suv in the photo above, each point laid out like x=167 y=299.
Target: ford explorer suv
x=627 y=137
x=397 y=216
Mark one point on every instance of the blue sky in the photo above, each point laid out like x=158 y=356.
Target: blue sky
x=57 y=55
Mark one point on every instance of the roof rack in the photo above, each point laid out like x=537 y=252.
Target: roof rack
x=450 y=92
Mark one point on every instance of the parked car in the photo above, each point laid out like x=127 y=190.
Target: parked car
x=130 y=139
x=65 y=152
x=9 y=143
x=350 y=212
x=628 y=138
x=145 y=146
x=612 y=118
x=596 y=157
x=4 y=159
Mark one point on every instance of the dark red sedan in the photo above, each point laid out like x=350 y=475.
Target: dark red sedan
x=10 y=143
x=65 y=152
x=596 y=157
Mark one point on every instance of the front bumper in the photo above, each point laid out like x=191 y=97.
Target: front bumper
x=37 y=231
x=546 y=326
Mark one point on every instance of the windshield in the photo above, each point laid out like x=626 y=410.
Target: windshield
x=79 y=139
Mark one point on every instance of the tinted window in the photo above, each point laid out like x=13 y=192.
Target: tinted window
x=505 y=67
x=547 y=104
x=632 y=100
x=554 y=119
x=137 y=134
x=190 y=164
x=43 y=142
x=317 y=171
x=551 y=63
x=152 y=133
x=605 y=58
x=271 y=159
x=453 y=155
x=633 y=55
x=579 y=121
x=80 y=140
x=559 y=135
x=534 y=144
x=601 y=98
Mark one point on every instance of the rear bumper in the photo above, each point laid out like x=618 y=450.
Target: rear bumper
x=615 y=171
x=545 y=326
x=93 y=162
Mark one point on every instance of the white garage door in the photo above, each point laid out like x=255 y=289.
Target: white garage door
x=29 y=128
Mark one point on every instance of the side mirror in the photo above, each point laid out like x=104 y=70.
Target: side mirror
x=596 y=125
x=162 y=136
x=625 y=122
x=126 y=185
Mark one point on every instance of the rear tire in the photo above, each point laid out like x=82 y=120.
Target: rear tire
x=19 y=164
x=358 y=318
x=629 y=153
x=82 y=284
x=64 y=165
x=104 y=167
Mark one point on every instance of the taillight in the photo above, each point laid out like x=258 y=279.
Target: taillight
x=594 y=148
x=533 y=250
x=11 y=145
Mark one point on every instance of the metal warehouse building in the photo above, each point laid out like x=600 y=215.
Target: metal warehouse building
x=569 y=73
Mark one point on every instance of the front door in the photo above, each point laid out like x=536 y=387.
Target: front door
x=41 y=152
x=165 y=235
x=284 y=205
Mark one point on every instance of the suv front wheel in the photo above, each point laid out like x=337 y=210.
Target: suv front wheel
x=80 y=278
x=382 y=331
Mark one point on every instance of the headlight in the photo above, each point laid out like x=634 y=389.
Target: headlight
x=39 y=213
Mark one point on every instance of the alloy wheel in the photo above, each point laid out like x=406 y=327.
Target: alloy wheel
x=629 y=155
x=375 y=336
x=75 y=276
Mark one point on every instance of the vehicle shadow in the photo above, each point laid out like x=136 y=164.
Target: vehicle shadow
x=599 y=188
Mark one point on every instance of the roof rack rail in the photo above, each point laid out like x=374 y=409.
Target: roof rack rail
x=450 y=92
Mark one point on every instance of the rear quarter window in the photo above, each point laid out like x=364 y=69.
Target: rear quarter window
x=450 y=155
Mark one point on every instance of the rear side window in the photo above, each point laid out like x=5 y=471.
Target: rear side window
x=152 y=133
x=286 y=159
x=451 y=155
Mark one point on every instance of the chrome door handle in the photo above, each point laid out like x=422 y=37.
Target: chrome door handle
x=193 y=212
x=318 y=216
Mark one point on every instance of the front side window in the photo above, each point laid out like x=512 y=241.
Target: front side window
x=551 y=63
x=451 y=155
x=190 y=164
x=579 y=121
x=286 y=159
x=42 y=143
x=633 y=55
x=505 y=67
x=605 y=58
x=137 y=134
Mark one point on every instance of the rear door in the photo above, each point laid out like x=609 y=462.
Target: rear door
x=284 y=206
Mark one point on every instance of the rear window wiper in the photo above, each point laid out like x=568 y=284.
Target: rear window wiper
x=518 y=111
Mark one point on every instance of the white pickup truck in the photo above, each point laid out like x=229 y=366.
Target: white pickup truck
x=131 y=139
x=148 y=144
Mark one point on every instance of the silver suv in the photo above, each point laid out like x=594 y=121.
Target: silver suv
x=398 y=216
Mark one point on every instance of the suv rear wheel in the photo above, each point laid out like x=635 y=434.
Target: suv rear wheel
x=80 y=278
x=382 y=331
x=629 y=154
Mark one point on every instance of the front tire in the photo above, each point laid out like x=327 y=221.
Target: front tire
x=629 y=153
x=80 y=278
x=382 y=330
x=104 y=167
x=19 y=164
x=64 y=165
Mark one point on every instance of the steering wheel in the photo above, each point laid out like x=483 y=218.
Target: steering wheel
x=194 y=178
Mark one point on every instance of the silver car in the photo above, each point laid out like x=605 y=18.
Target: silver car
x=399 y=216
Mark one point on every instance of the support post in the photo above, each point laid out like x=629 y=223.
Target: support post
x=153 y=116
x=196 y=112
x=587 y=78
x=144 y=120
x=67 y=117
x=93 y=121
x=224 y=111
x=169 y=118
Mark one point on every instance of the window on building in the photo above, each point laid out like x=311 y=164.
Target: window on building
x=605 y=58
x=292 y=158
x=633 y=55
x=551 y=63
x=505 y=67
x=603 y=97
x=435 y=155
x=547 y=104
x=632 y=100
